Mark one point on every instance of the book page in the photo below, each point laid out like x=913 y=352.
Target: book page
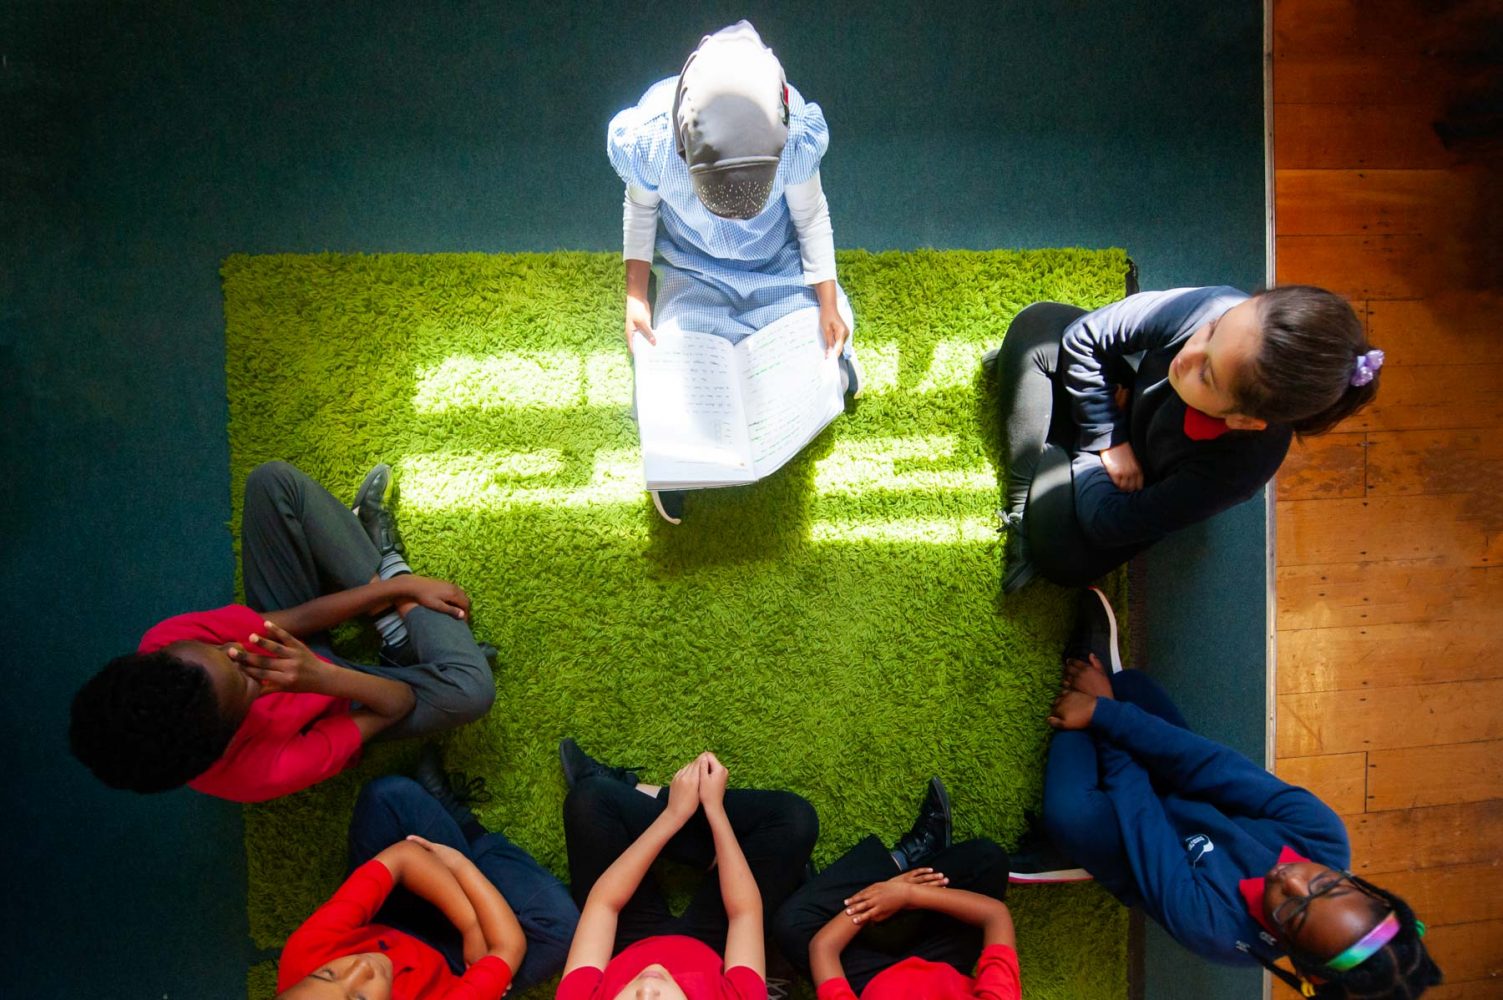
x=790 y=389
x=689 y=410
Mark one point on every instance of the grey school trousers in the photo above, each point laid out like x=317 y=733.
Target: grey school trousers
x=299 y=543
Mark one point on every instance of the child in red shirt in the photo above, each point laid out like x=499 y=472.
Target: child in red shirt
x=964 y=923
x=676 y=958
x=436 y=907
x=234 y=703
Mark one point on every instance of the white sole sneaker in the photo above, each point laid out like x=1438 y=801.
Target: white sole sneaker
x=853 y=377
x=657 y=502
x=1062 y=877
x=1116 y=664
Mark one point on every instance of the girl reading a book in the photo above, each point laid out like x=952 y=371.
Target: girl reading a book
x=1126 y=424
x=721 y=165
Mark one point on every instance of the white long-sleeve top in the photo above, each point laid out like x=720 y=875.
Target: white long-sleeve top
x=806 y=204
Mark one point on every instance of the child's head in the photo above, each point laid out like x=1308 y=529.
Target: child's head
x=149 y=722
x=366 y=976
x=1346 y=936
x=652 y=983
x=1292 y=355
x=730 y=120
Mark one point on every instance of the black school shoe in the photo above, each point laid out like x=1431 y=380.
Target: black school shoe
x=1095 y=631
x=373 y=503
x=1037 y=861
x=930 y=833
x=454 y=791
x=579 y=765
x=1018 y=570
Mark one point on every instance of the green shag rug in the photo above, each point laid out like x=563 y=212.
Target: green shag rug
x=836 y=629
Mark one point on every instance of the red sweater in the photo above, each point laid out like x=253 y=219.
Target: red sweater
x=287 y=742
x=997 y=978
x=342 y=926
x=692 y=964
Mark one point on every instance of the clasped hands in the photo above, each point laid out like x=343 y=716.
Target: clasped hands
x=699 y=783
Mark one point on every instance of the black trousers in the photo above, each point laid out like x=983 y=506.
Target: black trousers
x=602 y=817
x=1039 y=434
x=299 y=543
x=974 y=865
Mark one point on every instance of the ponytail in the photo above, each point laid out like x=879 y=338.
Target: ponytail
x=1315 y=367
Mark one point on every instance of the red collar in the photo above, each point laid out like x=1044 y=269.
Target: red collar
x=1201 y=426
x=1252 y=888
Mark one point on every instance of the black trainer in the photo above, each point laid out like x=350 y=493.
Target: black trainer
x=1018 y=570
x=1095 y=631
x=373 y=503
x=579 y=765
x=930 y=833
x=1037 y=861
x=454 y=791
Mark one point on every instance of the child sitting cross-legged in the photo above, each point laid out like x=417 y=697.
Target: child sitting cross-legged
x=249 y=703
x=944 y=901
x=436 y=907
x=752 y=846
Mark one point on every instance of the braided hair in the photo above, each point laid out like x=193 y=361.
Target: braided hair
x=1302 y=375
x=148 y=722
x=1401 y=970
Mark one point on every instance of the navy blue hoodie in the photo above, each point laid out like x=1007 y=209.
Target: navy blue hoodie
x=1215 y=819
x=1184 y=480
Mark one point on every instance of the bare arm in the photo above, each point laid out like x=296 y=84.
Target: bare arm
x=825 y=948
x=991 y=915
x=281 y=662
x=744 y=943
x=497 y=931
x=323 y=613
x=596 y=933
x=425 y=875
x=406 y=590
x=638 y=309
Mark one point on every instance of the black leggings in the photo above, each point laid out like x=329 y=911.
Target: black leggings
x=1039 y=434
x=976 y=865
x=603 y=816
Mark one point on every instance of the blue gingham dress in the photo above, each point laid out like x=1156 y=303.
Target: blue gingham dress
x=729 y=277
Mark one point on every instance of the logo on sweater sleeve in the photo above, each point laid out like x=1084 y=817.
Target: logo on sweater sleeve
x=1198 y=846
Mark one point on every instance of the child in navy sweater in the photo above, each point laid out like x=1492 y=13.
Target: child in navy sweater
x=1236 y=865
x=1128 y=423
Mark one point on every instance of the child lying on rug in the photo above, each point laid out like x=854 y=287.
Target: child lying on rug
x=1106 y=453
x=958 y=921
x=233 y=703
x=726 y=157
x=615 y=828
x=1238 y=866
x=435 y=906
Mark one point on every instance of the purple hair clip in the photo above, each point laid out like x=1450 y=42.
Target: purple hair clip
x=1366 y=367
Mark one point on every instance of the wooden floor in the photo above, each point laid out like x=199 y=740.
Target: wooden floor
x=1390 y=532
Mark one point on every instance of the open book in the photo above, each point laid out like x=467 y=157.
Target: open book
x=713 y=414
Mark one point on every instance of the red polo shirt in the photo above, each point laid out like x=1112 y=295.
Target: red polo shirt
x=287 y=741
x=342 y=926
x=1252 y=888
x=997 y=978
x=692 y=964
